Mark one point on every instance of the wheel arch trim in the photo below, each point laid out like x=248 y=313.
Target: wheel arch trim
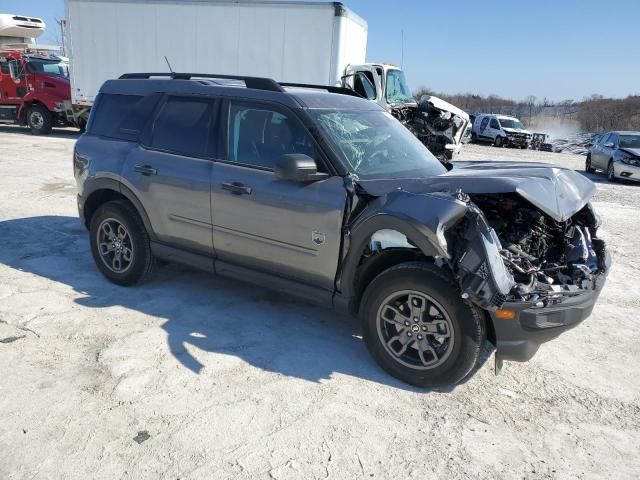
x=93 y=186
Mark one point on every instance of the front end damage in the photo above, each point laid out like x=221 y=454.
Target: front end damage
x=526 y=249
x=438 y=124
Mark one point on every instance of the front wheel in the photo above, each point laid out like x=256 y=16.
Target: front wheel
x=418 y=329
x=499 y=142
x=611 y=172
x=39 y=120
x=587 y=165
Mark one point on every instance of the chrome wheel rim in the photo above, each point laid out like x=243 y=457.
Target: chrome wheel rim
x=115 y=247
x=415 y=330
x=37 y=120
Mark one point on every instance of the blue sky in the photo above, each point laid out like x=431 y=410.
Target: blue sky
x=556 y=49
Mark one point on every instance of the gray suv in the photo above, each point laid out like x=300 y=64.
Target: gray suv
x=325 y=196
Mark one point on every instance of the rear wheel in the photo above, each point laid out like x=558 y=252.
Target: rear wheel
x=474 y=138
x=611 y=173
x=587 y=165
x=39 y=120
x=120 y=244
x=418 y=329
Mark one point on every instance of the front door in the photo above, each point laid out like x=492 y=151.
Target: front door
x=170 y=172
x=275 y=226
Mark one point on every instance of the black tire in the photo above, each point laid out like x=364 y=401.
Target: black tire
x=465 y=320
x=137 y=242
x=611 y=174
x=474 y=138
x=39 y=120
x=499 y=142
x=587 y=165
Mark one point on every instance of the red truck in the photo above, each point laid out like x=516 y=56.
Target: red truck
x=34 y=90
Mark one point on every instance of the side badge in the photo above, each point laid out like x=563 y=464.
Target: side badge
x=317 y=237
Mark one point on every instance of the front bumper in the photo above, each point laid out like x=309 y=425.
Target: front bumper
x=626 y=171
x=518 y=141
x=519 y=339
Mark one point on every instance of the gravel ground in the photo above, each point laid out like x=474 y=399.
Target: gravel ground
x=194 y=377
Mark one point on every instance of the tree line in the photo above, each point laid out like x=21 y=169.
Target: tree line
x=594 y=113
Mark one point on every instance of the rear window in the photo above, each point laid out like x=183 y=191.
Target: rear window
x=121 y=116
x=182 y=126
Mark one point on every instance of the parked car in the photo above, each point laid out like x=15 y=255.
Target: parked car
x=617 y=154
x=501 y=130
x=323 y=195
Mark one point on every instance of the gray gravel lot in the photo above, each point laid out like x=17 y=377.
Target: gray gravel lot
x=190 y=376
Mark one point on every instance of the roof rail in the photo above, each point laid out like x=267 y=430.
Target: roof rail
x=257 y=83
x=328 y=88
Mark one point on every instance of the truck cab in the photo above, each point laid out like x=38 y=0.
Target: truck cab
x=385 y=84
x=34 y=83
x=438 y=124
x=33 y=90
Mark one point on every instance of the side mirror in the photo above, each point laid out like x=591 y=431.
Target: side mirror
x=298 y=167
x=609 y=144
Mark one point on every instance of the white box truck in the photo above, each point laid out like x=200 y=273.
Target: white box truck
x=319 y=43
x=298 y=42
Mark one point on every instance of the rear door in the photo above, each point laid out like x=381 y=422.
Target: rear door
x=597 y=156
x=170 y=171
x=275 y=226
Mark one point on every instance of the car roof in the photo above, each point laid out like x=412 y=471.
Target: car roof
x=293 y=97
x=625 y=132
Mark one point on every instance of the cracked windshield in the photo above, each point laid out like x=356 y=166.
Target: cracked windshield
x=373 y=144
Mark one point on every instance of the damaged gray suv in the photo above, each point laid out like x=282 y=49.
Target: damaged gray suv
x=325 y=196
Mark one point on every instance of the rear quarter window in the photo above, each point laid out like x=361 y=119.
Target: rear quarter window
x=121 y=117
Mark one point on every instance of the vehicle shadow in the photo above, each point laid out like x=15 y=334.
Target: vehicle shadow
x=267 y=330
x=55 y=133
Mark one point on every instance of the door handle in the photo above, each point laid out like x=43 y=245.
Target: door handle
x=145 y=169
x=237 y=188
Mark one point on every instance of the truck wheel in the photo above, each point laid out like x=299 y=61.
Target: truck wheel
x=120 y=244
x=417 y=327
x=39 y=120
x=499 y=143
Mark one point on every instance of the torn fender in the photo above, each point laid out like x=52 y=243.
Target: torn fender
x=422 y=218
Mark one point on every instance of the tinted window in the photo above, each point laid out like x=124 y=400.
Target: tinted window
x=604 y=139
x=121 y=116
x=613 y=139
x=484 y=122
x=259 y=135
x=494 y=124
x=182 y=126
x=4 y=68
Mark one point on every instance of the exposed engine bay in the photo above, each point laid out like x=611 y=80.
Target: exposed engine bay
x=437 y=124
x=547 y=259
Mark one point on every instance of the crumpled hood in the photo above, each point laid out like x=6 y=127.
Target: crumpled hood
x=557 y=191
x=516 y=130
x=632 y=151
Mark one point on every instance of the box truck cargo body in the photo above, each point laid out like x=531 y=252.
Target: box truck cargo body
x=301 y=42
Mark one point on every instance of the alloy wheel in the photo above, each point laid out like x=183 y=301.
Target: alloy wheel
x=115 y=246
x=415 y=330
